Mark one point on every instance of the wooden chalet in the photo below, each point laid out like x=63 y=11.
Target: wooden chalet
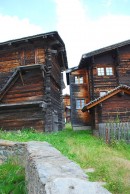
x=67 y=108
x=100 y=87
x=31 y=82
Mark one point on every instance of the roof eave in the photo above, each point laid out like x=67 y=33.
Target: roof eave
x=102 y=50
x=105 y=97
x=43 y=35
x=53 y=34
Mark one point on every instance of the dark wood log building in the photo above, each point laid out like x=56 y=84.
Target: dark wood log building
x=67 y=108
x=31 y=82
x=100 y=87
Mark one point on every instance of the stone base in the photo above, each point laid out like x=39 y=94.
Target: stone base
x=76 y=128
x=48 y=171
x=55 y=173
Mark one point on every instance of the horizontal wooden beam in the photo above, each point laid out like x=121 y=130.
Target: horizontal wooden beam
x=33 y=103
x=126 y=91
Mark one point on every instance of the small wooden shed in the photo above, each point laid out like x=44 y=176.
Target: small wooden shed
x=31 y=82
x=107 y=108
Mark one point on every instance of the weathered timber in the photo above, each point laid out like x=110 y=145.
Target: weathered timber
x=67 y=108
x=31 y=82
x=108 y=73
x=15 y=118
x=77 y=92
x=29 y=78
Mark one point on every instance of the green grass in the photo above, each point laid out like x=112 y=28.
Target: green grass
x=111 y=162
x=12 y=178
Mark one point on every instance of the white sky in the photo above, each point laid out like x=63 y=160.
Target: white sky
x=83 y=34
x=83 y=25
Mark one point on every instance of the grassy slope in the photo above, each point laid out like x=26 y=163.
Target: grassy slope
x=111 y=163
x=12 y=178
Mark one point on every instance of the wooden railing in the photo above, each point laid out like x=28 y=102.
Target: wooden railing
x=115 y=131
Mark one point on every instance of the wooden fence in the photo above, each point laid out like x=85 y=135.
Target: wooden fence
x=115 y=131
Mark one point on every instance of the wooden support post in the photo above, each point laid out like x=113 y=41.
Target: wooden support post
x=92 y=79
x=21 y=78
x=9 y=85
x=48 y=116
x=117 y=66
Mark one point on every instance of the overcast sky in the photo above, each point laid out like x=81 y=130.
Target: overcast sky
x=84 y=25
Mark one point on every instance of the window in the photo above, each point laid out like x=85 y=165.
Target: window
x=100 y=71
x=104 y=71
x=109 y=71
x=80 y=103
x=78 y=79
x=102 y=93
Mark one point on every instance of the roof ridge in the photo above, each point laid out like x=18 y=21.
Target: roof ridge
x=106 y=48
x=29 y=37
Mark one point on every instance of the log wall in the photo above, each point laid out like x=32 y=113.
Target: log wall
x=22 y=118
x=27 y=87
x=12 y=58
x=24 y=81
x=67 y=111
x=119 y=60
x=124 y=65
x=118 y=105
x=56 y=90
x=102 y=83
x=9 y=60
x=79 y=91
x=66 y=99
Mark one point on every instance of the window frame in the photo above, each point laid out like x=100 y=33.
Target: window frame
x=78 y=79
x=80 y=103
x=100 y=72
x=109 y=71
x=105 y=71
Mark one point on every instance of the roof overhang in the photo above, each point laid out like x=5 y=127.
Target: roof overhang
x=121 y=88
x=68 y=71
x=87 y=56
x=51 y=38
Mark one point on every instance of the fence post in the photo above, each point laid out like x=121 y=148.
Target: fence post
x=107 y=137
